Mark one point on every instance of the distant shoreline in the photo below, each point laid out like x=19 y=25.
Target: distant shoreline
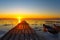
x=31 y=18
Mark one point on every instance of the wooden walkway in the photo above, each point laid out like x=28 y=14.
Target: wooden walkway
x=21 y=32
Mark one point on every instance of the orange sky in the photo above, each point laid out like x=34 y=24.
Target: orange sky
x=28 y=16
x=29 y=9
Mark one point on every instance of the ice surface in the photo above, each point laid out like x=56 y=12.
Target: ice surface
x=48 y=36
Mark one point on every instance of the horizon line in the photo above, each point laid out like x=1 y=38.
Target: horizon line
x=33 y=18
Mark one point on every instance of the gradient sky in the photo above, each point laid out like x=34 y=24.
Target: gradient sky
x=30 y=8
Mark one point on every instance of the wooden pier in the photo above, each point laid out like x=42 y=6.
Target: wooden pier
x=22 y=31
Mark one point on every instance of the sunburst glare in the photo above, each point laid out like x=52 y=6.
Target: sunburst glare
x=19 y=19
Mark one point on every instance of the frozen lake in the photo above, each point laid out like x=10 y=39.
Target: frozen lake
x=6 y=25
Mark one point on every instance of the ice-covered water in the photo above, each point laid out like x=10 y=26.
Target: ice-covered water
x=6 y=25
x=48 y=36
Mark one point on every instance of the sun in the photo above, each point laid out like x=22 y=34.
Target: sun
x=19 y=19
